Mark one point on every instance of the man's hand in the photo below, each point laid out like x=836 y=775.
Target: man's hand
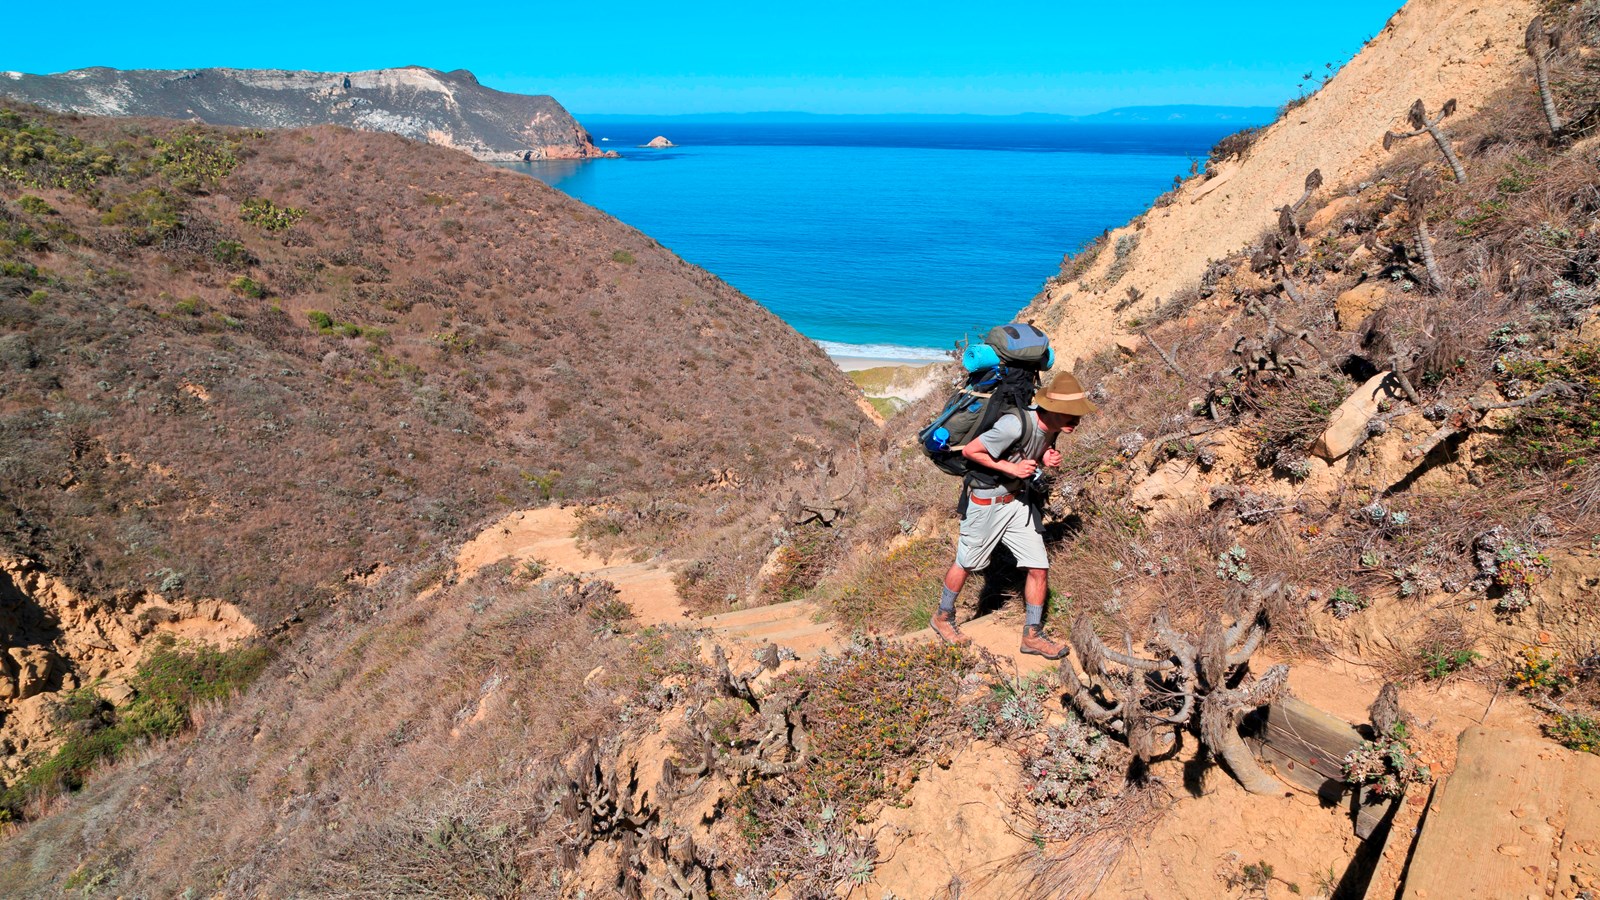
x=1052 y=457
x=1024 y=469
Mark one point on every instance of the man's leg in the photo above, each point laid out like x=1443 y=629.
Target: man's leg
x=944 y=620
x=1027 y=545
x=978 y=539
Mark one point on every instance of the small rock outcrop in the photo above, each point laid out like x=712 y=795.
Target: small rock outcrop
x=1348 y=424
x=658 y=142
x=56 y=640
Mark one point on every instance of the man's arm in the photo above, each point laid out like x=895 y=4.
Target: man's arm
x=987 y=449
x=978 y=453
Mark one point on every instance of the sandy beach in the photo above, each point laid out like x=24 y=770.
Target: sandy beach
x=859 y=363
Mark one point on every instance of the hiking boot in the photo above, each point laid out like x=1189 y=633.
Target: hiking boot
x=944 y=625
x=1035 y=642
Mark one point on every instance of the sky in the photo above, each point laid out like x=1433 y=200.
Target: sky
x=673 y=58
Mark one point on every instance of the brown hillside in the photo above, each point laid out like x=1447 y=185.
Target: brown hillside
x=195 y=394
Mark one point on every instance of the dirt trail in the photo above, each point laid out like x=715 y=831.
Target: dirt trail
x=546 y=535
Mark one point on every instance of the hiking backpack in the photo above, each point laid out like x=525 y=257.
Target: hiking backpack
x=1003 y=376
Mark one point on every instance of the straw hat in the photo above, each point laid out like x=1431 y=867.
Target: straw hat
x=1064 y=395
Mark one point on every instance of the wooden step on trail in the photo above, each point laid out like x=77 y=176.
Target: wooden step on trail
x=1519 y=817
x=792 y=624
x=755 y=615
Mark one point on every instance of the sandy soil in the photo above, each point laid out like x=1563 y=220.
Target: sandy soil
x=1432 y=49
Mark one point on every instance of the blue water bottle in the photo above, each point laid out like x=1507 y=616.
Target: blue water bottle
x=939 y=440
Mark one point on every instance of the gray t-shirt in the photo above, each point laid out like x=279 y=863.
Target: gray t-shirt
x=1007 y=430
x=999 y=440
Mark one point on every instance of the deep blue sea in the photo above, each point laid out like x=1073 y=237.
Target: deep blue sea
x=880 y=239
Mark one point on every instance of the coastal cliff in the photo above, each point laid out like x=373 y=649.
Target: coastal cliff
x=450 y=109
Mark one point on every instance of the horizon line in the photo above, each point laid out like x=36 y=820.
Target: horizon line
x=1174 y=107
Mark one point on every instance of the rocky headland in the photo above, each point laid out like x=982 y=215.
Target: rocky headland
x=450 y=109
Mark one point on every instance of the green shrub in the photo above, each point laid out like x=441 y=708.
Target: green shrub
x=34 y=205
x=1344 y=602
x=1075 y=779
x=195 y=162
x=269 y=216
x=876 y=706
x=899 y=589
x=1557 y=433
x=16 y=269
x=245 y=286
x=1575 y=731
x=1387 y=764
x=232 y=253
x=173 y=678
x=38 y=156
x=1438 y=662
x=1539 y=673
x=624 y=257
x=146 y=217
x=327 y=324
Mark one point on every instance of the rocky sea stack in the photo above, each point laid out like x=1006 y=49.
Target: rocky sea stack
x=447 y=108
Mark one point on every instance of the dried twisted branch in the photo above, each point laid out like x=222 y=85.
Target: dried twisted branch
x=1419 y=192
x=1540 y=43
x=1136 y=695
x=1421 y=124
x=1467 y=419
x=1165 y=356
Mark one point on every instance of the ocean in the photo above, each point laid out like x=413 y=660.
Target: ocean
x=882 y=239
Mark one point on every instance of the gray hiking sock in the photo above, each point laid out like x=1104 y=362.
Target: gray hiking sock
x=947 y=601
x=1035 y=615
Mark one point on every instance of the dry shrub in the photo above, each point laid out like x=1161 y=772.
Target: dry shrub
x=874 y=713
x=1234 y=146
x=723 y=574
x=1120 y=569
x=1291 y=413
x=1077 y=264
x=322 y=450
x=896 y=591
x=808 y=553
x=1076 y=868
x=458 y=702
x=421 y=852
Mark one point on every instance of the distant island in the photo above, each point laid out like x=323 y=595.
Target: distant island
x=447 y=108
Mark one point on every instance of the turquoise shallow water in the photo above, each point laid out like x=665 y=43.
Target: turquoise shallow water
x=880 y=239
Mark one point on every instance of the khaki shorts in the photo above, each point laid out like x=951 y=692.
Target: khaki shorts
x=986 y=527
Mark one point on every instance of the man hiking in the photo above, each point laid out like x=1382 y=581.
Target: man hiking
x=1004 y=505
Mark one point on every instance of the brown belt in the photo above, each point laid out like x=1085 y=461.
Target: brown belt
x=985 y=501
